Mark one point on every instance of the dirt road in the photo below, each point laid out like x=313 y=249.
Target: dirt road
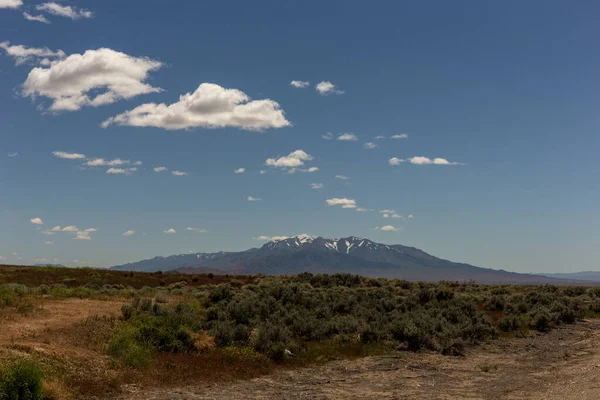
x=563 y=364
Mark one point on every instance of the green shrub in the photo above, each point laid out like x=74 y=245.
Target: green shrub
x=21 y=381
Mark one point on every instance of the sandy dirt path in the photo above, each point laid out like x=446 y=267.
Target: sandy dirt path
x=563 y=364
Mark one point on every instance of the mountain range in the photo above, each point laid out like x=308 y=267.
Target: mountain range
x=303 y=253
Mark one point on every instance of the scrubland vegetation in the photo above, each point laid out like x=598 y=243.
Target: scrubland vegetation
x=244 y=326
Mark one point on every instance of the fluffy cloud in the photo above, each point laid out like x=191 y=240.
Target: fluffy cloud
x=23 y=54
x=64 y=11
x=345 y=203
x=348 y=137
x=327 y=136
x=370 y=145
x=401 y=136
x=324 y=88
x=82 y=235
x=387 y=228
x=11 y=3
x=75 y=81
x=210 y=106
x=37 y=221
x=293 y=160
x=68 y=156
x=299 y=84
x=160 y=169
x=250 y=198
x=170 y=231
x=316 y=186
x=179 y=173
x=342 y=177
x=420 y=160
x=124 y=171
x=189 y=228
x=129 y=233
x=70 y=228
x=239 y=171
x=37 y=18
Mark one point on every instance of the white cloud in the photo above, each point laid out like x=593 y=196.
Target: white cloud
x=23 y=54
x=262 y=172
x=179 y=173
x=49 y=242
x=129 y=233
x=327 y=136
x=138 y=163
x=250 y=198
x=324 y=88
x=394 y=215
x=342 y=177
x=68 y=156
x=239 y=171
x=311 y=169
x=2 y=258
x=379 y=137
x=160 y=169
x=401 y=136
x=13 y=154
x=345 y=203
x=370 y=145
x=124 y=171
x=75 y=81
x=91 y=230
x=47 y=232
x=293 y=160
x=57 y=228
x=210 y=106
x=388 y=228
x=189 y=228
x=82 y=235
x=316 y=186
x=37 y=18
x=299 y=84
x=11 y=3
x=101 y=162
x=37 y=221
x=387 y=211
x=64 y=11
x=70 y=228
x=278 y=238
x=348 y=137
x=410 y=216
x=360 y=209
x=420 y=160
x=170 y=231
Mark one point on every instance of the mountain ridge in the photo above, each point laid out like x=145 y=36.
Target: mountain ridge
x=352 y=254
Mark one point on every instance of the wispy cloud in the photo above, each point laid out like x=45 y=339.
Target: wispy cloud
x=49 y=242
x=343 y=202
x=387 y=228
x=347 y=137
x=316 y=186
x=342 y=177
x=420 y=160
x=160 y=169
x=100 y=162
x=64 y=11
x=23 y=54
x=36 y=18
x=327 y=136
x=179 y=173
x=379 y=137
x=125 y=171
x=325 y=88
x=360 y=209
x=68 y=156
x=250 y=198
x=299 y=84
x=129 y=233
x=189 y=228
x=400 y=136
x=370 y=145
x=239 y=171
x=13 y=154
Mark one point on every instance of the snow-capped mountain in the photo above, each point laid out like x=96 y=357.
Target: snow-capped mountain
x=304 y=253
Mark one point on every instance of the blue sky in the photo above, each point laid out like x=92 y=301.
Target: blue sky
x=505 y=92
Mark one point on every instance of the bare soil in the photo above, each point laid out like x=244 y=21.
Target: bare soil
x=562 y=364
